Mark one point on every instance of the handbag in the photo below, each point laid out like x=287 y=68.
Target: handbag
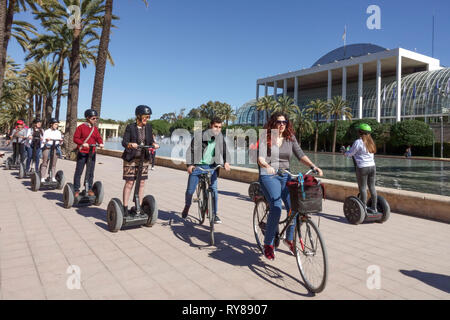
x=73 y=156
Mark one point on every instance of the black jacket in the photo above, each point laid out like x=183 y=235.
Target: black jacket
x=224 y=155
x=131 y=135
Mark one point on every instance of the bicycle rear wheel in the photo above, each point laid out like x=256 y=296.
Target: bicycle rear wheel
x=311 y=255
x=201 y=196
x=260 y=214
x=211 y=216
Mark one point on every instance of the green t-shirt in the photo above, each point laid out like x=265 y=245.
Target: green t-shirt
x=209 y=153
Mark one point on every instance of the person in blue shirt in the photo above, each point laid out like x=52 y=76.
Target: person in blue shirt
x=362 y=151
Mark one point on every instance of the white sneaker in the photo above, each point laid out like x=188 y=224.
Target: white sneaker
x=43 y=180
x=152 y=168
x=54 y=180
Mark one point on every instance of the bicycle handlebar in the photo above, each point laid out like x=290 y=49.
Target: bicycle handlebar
x=210 y=170
x=281 y=171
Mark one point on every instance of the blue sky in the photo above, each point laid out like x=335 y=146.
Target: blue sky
x=180 y=54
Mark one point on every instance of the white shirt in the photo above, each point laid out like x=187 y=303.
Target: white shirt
x=52 y=134
x=363 y=158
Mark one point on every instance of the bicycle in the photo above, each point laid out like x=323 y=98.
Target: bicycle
x=309 y=246
x=205 y=199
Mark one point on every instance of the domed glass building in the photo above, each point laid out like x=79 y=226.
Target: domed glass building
x=379 y=83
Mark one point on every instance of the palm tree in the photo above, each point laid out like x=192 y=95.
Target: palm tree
x=316 y=109
x=6 y=30
x=209 y=110
x=285 y=105
x=337 y=108
x=225 y=113
x=102 y=55
x=266 y=104
x=303 y=122
x=85 y=30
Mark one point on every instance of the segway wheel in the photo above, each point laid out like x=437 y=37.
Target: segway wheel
x=21 y=171
x=99 y=192
x=8 y=163
x=68 y=196
x=150 y=208
x=114 y=215
x=354 y=210
x=253 y=190
x=61 y=180
x=35 y=182
x=383 y=207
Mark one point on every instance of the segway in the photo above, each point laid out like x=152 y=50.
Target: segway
x=13 y=162
x=27 y=174
x=146 y=215
x=84 y=198
x=356 y=211
x=36 y=183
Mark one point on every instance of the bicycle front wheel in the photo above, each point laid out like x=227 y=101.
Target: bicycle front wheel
x=260 y=214
x=201 y=196
x=311 y=255
x=211 y=215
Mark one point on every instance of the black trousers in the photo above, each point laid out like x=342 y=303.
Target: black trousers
x=82 y=159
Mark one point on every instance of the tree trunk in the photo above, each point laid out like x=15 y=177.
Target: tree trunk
x=30 y=108
x=40 y=107
x=36 y=107
x=74 y=87
x=333 y=147
x=317 y=134
x=100 y=66
x=6 y=20
x=44 y=111
x=48 y=108
x=60 y=85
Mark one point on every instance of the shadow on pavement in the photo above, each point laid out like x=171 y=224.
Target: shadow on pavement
x=333 y=217
x=228 y=249
x=439 y=281
x=236 y=194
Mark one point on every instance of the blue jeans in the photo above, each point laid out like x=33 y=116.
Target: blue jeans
x=29 y=150
x=193 y=181
x=275 y=190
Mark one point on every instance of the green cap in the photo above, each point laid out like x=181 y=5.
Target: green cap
x=365 y=127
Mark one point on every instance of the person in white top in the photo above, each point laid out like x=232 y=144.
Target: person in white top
x=49 y=135
x=362 y=151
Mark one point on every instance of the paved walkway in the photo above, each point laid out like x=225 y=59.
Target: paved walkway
x=39 y=240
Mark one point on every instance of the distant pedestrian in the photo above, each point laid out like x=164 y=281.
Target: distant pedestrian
x=408 y=152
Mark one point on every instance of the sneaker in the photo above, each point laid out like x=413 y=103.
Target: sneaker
x=371 y=211
x=54 y=180
x=268 y=252
x=42 y=180
x=290 y=245
x=152 y=169
x=77 y=194
x=185 y=212
x=91 y=193
x=217 y=219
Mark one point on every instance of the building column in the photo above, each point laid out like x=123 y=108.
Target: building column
x=266 y=90
x=360 y=91
x=378 y=91
x=284 y=87
x=275 y=89
x=104 y=135
x=256 y=110
x=296 y=90
x=344 y=86
x=330 y=83
x=399 y=87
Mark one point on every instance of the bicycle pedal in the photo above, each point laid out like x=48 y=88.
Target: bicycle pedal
x=195 y=200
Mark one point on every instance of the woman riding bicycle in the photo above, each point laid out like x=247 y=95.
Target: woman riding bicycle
x=274 y=186
x=138 y=133
x=363 y=151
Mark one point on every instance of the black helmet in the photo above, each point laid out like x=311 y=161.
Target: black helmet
x=143 y=110
x=53 y=120
x=90 y=113
x=36 y=120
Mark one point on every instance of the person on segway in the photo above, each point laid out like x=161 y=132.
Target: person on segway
x=86 y=134
x=18 y=138
x=35 y=138
x=362 y=151
x=138 y=133
x=50 y=135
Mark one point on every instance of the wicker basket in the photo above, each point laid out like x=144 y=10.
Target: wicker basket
x=308 y=202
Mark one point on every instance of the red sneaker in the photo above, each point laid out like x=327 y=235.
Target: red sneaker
x=290 y=245
x=268 y=252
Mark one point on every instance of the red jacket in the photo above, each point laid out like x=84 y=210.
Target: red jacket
x=82 y=132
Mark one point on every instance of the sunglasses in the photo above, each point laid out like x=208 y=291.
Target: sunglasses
x=93 y=118
x=283 y=122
